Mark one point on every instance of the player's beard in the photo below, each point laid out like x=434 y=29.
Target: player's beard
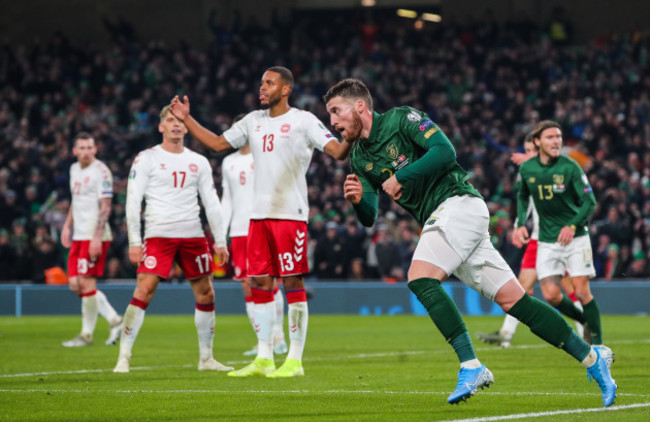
x=271 y=102
x=354 y=132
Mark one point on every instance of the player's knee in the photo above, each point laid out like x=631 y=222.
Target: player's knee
x=508 y=294
x=423 y=269
x=554 y=298
x=205 y=297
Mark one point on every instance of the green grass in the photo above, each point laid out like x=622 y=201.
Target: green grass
x=381 y=368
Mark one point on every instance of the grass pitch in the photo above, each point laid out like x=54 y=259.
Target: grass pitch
x=358 y=368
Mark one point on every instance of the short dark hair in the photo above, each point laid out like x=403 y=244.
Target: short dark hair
x=285 y=74
x=350 y=88
x=542 y=126
x=82 y=135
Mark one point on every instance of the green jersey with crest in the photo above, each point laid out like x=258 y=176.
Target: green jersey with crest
x=561 y=193
x=405 y=142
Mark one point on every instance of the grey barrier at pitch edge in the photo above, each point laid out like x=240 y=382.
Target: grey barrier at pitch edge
x=360 y=298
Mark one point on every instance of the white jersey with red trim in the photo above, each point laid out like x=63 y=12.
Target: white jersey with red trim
x=89 y=185
x=237 y=175
x=532 y=212
x=171 y=184
x=282 y=148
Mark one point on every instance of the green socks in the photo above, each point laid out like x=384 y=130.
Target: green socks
x=567 y=307
x=445 y=315
x=592 y=316
x=547 y=324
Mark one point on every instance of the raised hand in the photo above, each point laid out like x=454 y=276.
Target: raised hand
x=179 y=109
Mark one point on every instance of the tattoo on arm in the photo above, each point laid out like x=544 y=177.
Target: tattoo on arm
x=104 y=212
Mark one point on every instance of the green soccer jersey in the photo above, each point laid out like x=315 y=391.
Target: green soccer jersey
x=561 y=193
x=405 y=142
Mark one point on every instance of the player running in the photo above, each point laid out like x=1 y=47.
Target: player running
x=406 y=155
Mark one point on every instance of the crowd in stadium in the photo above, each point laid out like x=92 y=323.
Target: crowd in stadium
x=484 y=84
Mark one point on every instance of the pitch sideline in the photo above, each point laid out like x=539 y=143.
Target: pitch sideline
x=550 y=413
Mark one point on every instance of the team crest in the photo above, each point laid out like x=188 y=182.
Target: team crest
x=558 y=179
x=194 y=168
x=368 y=166
x=531 y=180
x=413 y=116
x=392 y=151
x=150 y=262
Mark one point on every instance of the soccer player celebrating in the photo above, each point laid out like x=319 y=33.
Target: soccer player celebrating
x=237 y=171
x=564 y=200
x=282 y=140
x=406 y=155
x=87 y=233
x=170 y=178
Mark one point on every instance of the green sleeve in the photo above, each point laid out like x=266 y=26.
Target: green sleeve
x=440 y=154
x=586 y=198
x=366 y=210
x=523 y=197
x=368 y=207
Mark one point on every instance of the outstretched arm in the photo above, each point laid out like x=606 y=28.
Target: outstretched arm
x=338 y=150
x=181 y=110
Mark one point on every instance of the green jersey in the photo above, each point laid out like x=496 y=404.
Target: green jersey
x=405 y=142
x=561 y=193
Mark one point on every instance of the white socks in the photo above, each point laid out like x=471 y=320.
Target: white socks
x=204 y=322
x=509 y=326
x=264 y=316
x=298 y=321
x=105 y=309
x=250 y=311
x=133 y=319
x=471 y=364
x=88 y=314
x=278 y=332
x=591 y=358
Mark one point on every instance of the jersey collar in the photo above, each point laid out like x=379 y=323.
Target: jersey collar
x=376 y=121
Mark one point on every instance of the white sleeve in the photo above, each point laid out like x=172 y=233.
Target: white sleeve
x=138 y=179
x=237 y=134
x=226 y=199
x=106 y=189
x=531 y=206
x=211 y=203
x=317 y=133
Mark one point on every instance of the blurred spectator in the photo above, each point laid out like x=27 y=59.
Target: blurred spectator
x=329 y=256
x=7 y=257
x=485 y=85
x=406 y=245
x=19 y=242
x=389 y=262
x=639 y=267
x=9 y=210
x=45 y=256
x=357 y=270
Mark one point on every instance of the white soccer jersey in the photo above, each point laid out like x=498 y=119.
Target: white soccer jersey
x=532 y=211
x=237 y=199
x=282 y=147
x=169 y=184
x=89 y=185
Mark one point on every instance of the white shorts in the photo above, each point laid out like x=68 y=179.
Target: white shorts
x=456 y=239
x=575 y=258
